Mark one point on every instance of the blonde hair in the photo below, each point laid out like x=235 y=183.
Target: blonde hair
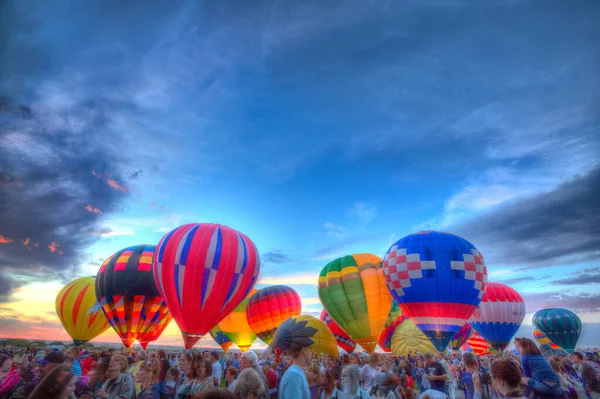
x=152 y=366
x=123 y=360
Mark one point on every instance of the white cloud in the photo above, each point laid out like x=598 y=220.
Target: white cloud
x=334 y=230
x=363 y=212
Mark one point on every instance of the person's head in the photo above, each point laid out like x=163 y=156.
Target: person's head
x=172 y=374
x=328 y=379
x=525 y=346
x=69 y=359
x=231 y=374
x=32 y=348
x=287 y=360
x=506 y=375
x=214 y=356
x=314 y=361
x=349 y=379
x=141 y=356
x=266 y=366
x=249 y=384
x=49 y=363
x=429 y=359
x=420 y=364
x=374 y=360
x=216 y=393
x=249 y=359
x=118 y=364
x=57 y=384
x=74 y=351
x=204 y=368
x=439 y=356
x=148 y=372
x=186 y=363
x=5 y=365
x=577 y=357
x=555 y=366
x=470 y=360
x=161 y=354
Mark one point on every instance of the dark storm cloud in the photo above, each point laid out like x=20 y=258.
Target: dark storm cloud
x=586 y=276
x=7 y=285
x=562 y=225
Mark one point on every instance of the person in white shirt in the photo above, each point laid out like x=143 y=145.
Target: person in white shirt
x=217 y=370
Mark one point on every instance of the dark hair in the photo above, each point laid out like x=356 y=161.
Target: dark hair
x=174 y=372
x=161 y=354
x=577 y=354
x=164 y=368
x=233 y=371
x=54 y=384
x=207 y=367
x=528 y=346
x=469 y=359
x=216 y=393
x=3 y=359
x=95 y=357
x=329 y=377
x=506 y=370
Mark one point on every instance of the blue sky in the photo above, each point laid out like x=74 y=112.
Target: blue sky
x=315 y=128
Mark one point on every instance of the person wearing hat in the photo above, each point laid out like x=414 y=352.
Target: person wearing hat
x=217 y=370
x=46 y=365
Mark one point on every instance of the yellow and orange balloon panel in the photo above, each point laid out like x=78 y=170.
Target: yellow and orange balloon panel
x=305 y=331
x=235 y=325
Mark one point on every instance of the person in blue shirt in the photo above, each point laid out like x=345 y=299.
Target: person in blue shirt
x=294 y=384
x=537 y=372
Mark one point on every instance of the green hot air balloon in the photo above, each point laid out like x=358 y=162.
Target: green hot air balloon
x=562 y=326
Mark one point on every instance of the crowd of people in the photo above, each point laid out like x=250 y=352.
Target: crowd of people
x=294 y=374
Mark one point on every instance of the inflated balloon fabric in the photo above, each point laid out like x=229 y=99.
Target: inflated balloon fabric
x=352 y=289
x=542 y=339
x=342 y=339
x=235 y=325
x=461 y=336
x=562 y=326
x=479 y=345
x=393 y=320
x=499 y=315
x=77 y=308
x=408 y=338
x=438 y=279
x=220 y=338
x=305 y=332
x=204 y=271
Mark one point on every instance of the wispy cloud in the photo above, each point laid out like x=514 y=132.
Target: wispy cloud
x=275 y=257
x=586 y=276
x=364 y=212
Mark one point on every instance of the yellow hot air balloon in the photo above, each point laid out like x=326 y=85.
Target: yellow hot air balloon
x=408 y=338
x=77 y=309
x=353 y=291
x=235 y=326
x=305 y=331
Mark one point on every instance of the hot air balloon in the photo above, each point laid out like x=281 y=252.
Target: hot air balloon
x=162 y=318
x=461 y=337
x=342 y=339
x=438 y=279
x=203 y=272
x=499 y=315
x=393 y=320
x=305 y=332
x=235 y=326
x=220 y=338
x=543 y=339
x=352 y=290
x=77 y=309
x=408 y=338
x=269 y=307
x=128 y=295
x=479 y=345
x=560 y=325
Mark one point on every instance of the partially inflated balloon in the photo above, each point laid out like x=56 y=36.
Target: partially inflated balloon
x=562 y=326
x=269 y=307
x=235 y=326
x=77 y=308
x=408 y=338
x=204 y=271
x=128 y=295
x=499 y=315
x=162 y=320
x=393 y=320
x=461 y=337
x=305 y=332
x=543 y=339
x=220 y=338
x=438 y=279
x=342 y=339
x=352 y=290
x=479 y=345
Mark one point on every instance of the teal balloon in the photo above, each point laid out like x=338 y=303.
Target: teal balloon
x=562 y=326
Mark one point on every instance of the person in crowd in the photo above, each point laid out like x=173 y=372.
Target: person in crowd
x=368 y=373
x=419 y=373
x=267 y=370
x=185 y=388
x=45 y=366
x=205 y=377
x=9 y=375
x=537 y=372
x=5 y=366
x=217 y=370
x=385 y=387
x=435 y=373
x=249 y=359
x=249 y=385
x=59 y=383
x=140 y=357
x=350 y=383
x=589 y=372
x=471 y=370
x=148 y=378
x=118 y=384
x=293 y=384
x=330 y=390
x=506 y=379
x=75 y=353
x=231 y=377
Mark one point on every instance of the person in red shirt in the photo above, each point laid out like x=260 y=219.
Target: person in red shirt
x=271 y=378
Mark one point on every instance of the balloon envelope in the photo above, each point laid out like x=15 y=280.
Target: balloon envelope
x=479 y=345
x=352 y=290
x=220 y=338
x=305 y=332
x=235 y=326
x=408 y=338
x=499 y=315
x=128 y=295
x=204 y=271
x=395 y=317
x=562 y=326
x=542 y=339
x=342 y=339
x=461 y=337
x=77 y=309
x=269 y=307
x=438 y=279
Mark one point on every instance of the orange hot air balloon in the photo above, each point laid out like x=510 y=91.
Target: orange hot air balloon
x=270 y=307
x=235 y=326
